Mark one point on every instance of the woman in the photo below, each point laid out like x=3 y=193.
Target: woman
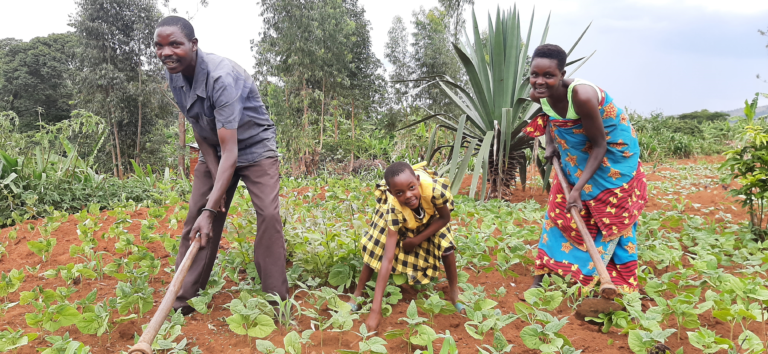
x=599 y=154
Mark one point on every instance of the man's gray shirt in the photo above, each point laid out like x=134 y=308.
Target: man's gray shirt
x=223 y=95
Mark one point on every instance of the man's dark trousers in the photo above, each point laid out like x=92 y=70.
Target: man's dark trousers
x=263 y=184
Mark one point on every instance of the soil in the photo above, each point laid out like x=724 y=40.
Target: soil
x=211 y=334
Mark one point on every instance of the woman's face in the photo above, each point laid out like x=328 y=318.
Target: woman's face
x=545 y=77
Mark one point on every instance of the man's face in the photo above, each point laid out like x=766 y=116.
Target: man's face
x=405 y=188
x=177 y=53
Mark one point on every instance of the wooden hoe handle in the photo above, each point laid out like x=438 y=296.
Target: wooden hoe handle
x=144 y=346
x=607 y=289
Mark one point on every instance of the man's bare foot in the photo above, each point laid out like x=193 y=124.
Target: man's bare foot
x=373 y=321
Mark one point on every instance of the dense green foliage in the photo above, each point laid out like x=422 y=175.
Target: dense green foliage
x=703 y=116
x=52 y=169
x=37 y=78
x=748 y=164
x=663 y=137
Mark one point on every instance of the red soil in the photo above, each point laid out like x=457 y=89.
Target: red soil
x=212 y=334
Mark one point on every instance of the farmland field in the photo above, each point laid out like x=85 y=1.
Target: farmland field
x=104 y=275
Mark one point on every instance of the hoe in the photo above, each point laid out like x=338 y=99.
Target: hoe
x=590 y=307
x=144 y=346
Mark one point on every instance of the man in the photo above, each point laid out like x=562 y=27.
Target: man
x=237 y=141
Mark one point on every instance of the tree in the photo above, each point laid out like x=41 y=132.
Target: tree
x=289 y=49
x=397 y=53
x=454 y=13
x=117 y=51
x=432 y=55
x=37 y=78
x=703 y=116
x=315 y=51
x=366 y=84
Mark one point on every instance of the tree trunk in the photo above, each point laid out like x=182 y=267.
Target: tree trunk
x=117 y=148
x=306 y=112
x=336 y=122
x=352 y=159
x=502 y=173
x=306 y=107
x=322 y=116
x=182 y=142
x=138 y=137
x=112 y=150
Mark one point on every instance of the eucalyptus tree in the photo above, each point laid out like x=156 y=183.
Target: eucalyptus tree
x=313 y=49
x=431 y=54
x=399 y=57
x=119 y=73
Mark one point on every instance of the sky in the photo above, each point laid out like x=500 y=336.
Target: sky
x=669 y=56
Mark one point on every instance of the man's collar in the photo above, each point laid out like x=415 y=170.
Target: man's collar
x=199 y=81
x=201 y=73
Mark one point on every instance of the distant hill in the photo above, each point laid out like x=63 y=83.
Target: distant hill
x=761 y=111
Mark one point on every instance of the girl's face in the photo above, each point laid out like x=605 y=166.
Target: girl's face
x=545 y=77
x=405 y=188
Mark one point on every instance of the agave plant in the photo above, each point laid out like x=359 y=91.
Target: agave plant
x=495 y=107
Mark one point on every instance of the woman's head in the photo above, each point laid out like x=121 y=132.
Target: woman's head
x=547 y=69
x=552 y=52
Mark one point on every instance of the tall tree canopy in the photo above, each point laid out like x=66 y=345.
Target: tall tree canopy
x=432 y=54
x=454 y=13
x=37 y=78
x=397 y=53
x=319 y=53
x=120 y=74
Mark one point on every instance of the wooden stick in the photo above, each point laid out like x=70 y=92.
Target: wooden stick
x=607 y=289
x=144 y=346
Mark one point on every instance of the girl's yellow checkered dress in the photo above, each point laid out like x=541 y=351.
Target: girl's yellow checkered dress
x=423 y=263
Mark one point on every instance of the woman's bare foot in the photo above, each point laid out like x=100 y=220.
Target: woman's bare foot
x=537 y=281
x=536 y=284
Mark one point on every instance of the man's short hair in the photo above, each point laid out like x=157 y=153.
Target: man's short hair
x=551 y=51
x=397 y=169
x=181 y=23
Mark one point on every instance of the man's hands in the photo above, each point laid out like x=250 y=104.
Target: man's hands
x=202 y=226
x=410 y=243
x=214 y=168
x=222 y=208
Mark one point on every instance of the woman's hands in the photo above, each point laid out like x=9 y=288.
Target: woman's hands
x=574 y=201
x=551 y=152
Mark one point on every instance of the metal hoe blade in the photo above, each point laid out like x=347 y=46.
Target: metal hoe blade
x=594 y=306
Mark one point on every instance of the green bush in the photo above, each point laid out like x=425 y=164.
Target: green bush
x=748 y=164
x=51 y=170
x=663 y=137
